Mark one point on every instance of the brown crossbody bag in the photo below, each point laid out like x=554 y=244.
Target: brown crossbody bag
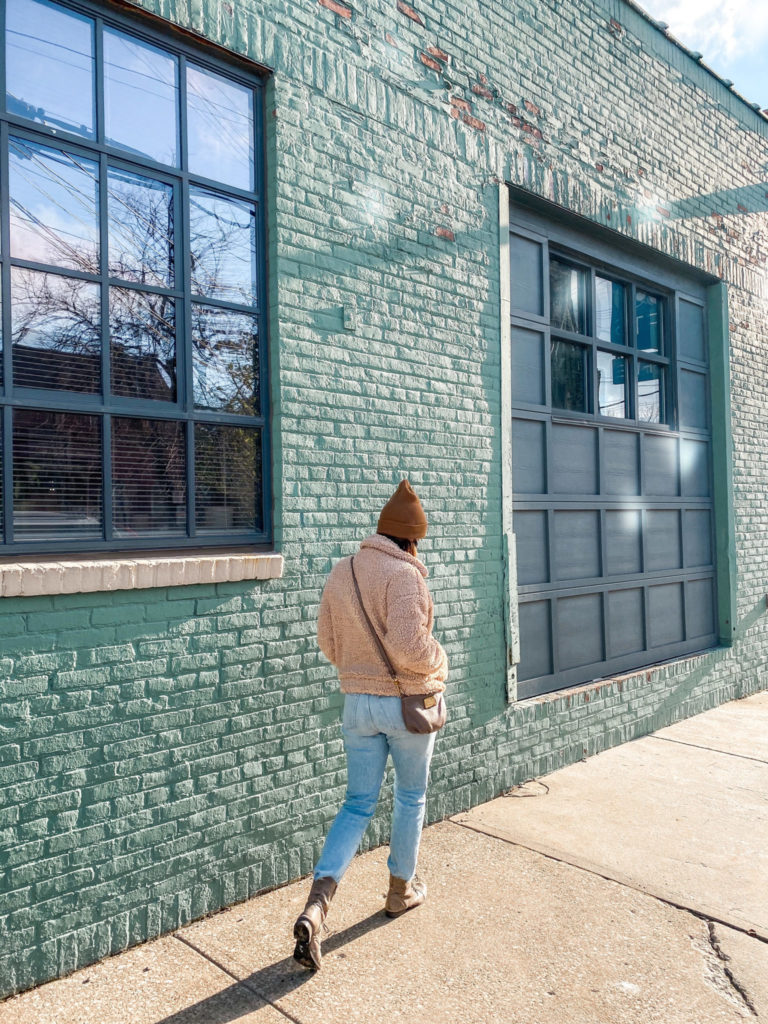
x=422 y=712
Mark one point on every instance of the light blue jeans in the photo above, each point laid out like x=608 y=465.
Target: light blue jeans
x=373 y=728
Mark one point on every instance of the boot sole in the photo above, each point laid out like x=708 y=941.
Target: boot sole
x=301 y=953
x=399 y=913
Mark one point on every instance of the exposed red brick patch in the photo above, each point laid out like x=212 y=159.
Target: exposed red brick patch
x=336 y=7
x=409 y=12
x=391 y=40
x=663 y=211
x=430 y=62
x=483 y=79
x=532 y=108
x=457 y=101
x=440 y=54
x=641 y=172
x=445 y=233
x=615 y=28
x=473 y=122
x=480 y=90
x=454 y=113
x=510 y=108
x=599 y=167
x=741 y=208
x=629 y=221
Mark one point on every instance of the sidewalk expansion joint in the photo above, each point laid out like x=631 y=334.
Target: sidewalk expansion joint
x=244 y=982
x=700 y=914
x=725 y=959
x=713 y=750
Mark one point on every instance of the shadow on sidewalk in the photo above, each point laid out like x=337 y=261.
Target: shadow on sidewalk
x=270 y=983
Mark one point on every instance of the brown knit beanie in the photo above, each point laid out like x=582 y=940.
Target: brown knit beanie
x=403 y=516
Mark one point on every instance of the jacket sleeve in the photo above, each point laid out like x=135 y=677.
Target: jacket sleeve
x=325 y=637
x=409 y=637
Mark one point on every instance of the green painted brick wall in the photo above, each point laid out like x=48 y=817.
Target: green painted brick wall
x=165 y=753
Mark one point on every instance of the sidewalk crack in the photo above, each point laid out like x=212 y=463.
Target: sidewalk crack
x=723 y=957
x=240 y=981
x=702 y=746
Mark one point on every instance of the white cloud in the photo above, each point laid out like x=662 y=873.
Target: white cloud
x=720 y=29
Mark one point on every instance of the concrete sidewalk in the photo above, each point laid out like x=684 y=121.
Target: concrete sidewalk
x=632 y=887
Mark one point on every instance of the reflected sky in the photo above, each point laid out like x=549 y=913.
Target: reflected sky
x=219 y=128
x=50 y=65
x=140 y=229
x=140 y=97
x=223 y=246
x=224 y=354
x=54 y=206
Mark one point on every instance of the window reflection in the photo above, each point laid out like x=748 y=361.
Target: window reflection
x=57 y=481
x=225 y=359
x=567 y=297
x=649 y=310
x=223 y=246
x=142 y=337
x=50 y=66
x=219 y=128
x=140 y=229
x=569 y=376
x=140 y=97
x=227 y=478
x=56 y=331
x=149 y=496
x=611 y=384
x=54 y=206
x=609 y=311
x=650 y=392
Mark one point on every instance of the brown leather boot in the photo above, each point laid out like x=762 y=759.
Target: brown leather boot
x=404 y=896
x=306 y=931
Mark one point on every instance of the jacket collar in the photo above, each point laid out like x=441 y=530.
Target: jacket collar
x=388 y=547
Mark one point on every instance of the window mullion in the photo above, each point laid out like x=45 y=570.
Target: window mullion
x=5 y=282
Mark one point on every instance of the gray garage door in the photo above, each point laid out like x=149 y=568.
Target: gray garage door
x=611 y=458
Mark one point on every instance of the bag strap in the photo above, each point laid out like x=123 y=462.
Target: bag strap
x=374 y=634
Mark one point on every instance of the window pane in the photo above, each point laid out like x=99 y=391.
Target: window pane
x=611 y=384
x=223 y=244
x=567 y=297
x=141 y=94
x=56 y=331
x=142 y=338
x=57 y=482
x=650 y=322
x=569 y=376
x=650 y=392
x=140 y=229
x=219 y=128
x=49 y=70
x=610 y=311
x=227 y=478
x=225 y=354
x=54 y=206
x=149 y=496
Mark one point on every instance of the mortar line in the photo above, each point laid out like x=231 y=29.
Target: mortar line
x=244 y=982
x=700 y=746
x=701 y=914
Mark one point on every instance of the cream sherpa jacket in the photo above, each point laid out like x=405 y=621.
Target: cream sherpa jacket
x=400 y=608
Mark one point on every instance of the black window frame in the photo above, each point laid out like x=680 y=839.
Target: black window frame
x=149 y=30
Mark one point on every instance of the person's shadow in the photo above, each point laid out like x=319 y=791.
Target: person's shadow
x=269 y=984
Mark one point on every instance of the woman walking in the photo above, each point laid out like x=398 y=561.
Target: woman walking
x=388 y=577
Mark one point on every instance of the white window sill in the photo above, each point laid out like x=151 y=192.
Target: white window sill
x=74 y=575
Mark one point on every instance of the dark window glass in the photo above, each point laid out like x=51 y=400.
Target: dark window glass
x=225 y=359
x=149 y=496
x=140 y=229
x=220 y=128
x=649 y=310
x=610 y=311
x=223 y=244
x=54 y=206
x=56 y=330
x=569 y=376
x=141 y=98
x=57 y=481
x=227 y=478
x=650 y=392
x=50 y=66
x=567 y=297
x=612 y=384
x=142 y=335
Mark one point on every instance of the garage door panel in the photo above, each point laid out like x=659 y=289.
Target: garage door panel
x=532 y=546
x=535 y=640
x=579 y=630
x=574 y=459
x=623 y=541
x=621 y=463
x=576 y=545
x=666 y=624
x=625 y=613
x=663 y=548
x=661 y=466
x=528 y=456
